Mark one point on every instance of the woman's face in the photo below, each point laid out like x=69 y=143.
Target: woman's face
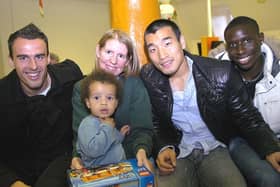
x=112 y=57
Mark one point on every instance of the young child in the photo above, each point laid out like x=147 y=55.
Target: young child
x=99 y=142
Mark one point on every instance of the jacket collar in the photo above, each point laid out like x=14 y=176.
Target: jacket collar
x=269 y=58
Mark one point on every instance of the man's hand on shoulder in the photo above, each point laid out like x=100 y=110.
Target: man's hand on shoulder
x=166 y=161
x=274 y=160
x=19 y=184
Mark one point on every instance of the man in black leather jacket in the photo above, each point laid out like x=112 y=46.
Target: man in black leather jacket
x=195 y=100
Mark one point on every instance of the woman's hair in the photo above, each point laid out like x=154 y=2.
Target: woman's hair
x=133 y=64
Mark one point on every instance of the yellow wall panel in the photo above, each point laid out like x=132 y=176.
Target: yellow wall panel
x=133 y=16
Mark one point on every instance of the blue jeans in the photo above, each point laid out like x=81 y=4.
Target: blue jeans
x=258 y=172
x=198 y=170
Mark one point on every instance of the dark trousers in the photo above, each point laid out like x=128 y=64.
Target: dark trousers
x=55 y=174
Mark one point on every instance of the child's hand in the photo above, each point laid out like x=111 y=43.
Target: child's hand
x=109 y=121
x=76 y=163
x=19 y=184
x=125 y=130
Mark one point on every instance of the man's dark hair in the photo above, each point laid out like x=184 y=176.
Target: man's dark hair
x=243 y=20
x=98 y=75
x=159 y=23
x=29 y=32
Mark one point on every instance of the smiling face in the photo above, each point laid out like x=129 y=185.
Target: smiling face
x=165 y=51
x=112 y=58
x=30 y=60
x=244 y=46
x=102 y=100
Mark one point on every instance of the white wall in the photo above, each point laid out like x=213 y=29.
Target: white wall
x=74 y=26
x=192 y=15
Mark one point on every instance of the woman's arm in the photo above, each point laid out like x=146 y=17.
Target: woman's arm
x=140 y=117
x=79 y=113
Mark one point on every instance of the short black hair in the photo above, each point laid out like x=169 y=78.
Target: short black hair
x=99 y=75
x=159 y=23
x=242 y=20
x=30 y=32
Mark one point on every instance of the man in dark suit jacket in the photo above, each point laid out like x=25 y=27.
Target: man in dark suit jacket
x=35 y=113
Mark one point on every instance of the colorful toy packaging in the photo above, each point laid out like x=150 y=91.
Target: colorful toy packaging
x=122 y=174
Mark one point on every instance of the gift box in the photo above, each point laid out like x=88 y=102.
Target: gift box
x=122 y=174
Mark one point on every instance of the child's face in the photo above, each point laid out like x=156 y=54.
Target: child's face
x=102 y=100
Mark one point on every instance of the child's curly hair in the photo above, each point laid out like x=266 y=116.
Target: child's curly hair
x=98 y=75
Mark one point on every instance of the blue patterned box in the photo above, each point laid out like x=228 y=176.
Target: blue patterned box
x=123 y=174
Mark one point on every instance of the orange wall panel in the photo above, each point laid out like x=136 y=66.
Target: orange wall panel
x=133 y=16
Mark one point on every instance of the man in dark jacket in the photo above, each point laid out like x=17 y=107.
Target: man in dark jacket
x=194 y=101
x=260 y=70
x=36 y=113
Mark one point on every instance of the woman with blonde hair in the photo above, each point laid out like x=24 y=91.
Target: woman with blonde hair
x=116 y=54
